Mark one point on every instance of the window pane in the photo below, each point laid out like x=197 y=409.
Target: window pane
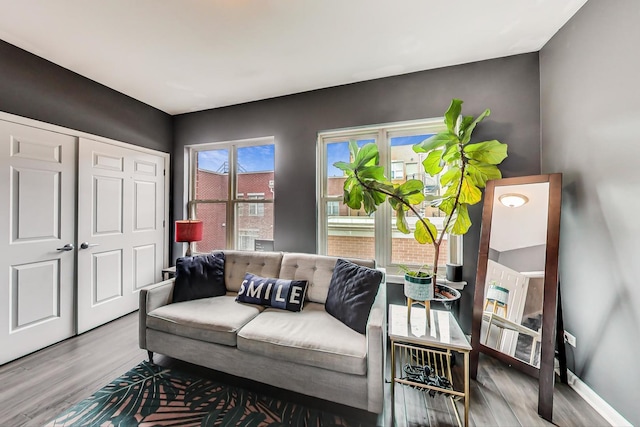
x=253 y=221
x=214 y=218
x=338 y=152
x=255 y=166
x=212 y=175
x=349 y=236
x=404 y=248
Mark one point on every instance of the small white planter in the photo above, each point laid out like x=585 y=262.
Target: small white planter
x=418 y=288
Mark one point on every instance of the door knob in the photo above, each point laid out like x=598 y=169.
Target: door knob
x=87 y=245
x=67 y=247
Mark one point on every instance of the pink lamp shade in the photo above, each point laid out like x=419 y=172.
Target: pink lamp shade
x=189 y=230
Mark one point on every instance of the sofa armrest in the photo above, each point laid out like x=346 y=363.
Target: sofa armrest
x=151 y=298
x=376 y=349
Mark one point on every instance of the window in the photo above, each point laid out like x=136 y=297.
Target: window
x=219 y=170
x=346 y=232
x=333 y=208
x=397 y=170
x=256 y=209
x=412 y=171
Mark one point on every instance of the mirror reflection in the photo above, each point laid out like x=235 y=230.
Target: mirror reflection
x=513 y=292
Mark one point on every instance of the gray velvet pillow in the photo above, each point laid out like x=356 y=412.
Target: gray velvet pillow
x=352 y=290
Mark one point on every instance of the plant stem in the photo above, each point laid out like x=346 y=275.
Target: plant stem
x=435 y=242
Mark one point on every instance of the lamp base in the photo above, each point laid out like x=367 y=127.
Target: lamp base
x=188 y=252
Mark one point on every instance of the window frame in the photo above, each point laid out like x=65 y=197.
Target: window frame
x=383 y=231
x=234 y=199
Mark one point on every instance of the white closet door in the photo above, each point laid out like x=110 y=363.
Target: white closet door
x=120 y=229
x=37 y=190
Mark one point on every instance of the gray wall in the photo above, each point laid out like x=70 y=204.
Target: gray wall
x=590 y=103
x=508 y=86
x=524 y=259
x=38 y=89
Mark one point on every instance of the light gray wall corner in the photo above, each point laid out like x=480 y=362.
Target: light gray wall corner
x=590 y=115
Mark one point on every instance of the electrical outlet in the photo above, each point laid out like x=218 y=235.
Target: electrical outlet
x=569 y=339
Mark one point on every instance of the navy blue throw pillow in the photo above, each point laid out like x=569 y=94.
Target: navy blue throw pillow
x=200 y=276
x=277 y=293
x=352 y=290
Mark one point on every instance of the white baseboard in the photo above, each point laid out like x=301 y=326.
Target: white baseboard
x=591 y=397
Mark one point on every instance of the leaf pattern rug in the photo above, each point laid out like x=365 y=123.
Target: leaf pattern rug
x=150 y=395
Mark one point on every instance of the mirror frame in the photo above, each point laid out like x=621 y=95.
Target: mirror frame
x=545 y=373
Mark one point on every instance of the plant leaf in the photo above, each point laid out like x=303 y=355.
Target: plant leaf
x=367 y=156
x=445 y=204
x=410 y=191
x=452 y=153
x=452 y=175
x=401 y=221
x=467 y=129
x=375 y=173
x=492 y=152
x=451 y=116
x=344 y=166
x=460 y=221
x=435 y=141
x=425 y=231
x=469 y=192
x=369 y=202
x=432 y=163
x=480 y=173
x=353 y=197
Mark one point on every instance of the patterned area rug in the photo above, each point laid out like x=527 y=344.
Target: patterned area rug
x=150 y=395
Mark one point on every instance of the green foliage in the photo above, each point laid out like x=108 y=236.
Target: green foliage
x=468 y=166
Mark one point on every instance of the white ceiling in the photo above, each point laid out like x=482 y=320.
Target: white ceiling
x=188 y=55
x=523 y=227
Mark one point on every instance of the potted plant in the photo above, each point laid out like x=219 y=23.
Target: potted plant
x=464 y=169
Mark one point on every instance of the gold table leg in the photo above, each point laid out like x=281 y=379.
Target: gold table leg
x=466 y=388
x=393 y=383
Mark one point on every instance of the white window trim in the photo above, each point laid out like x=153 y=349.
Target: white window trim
x=191 y=152
x=383 y=215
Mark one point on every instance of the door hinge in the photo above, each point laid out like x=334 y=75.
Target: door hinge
x=163 y=223
x=164 y=172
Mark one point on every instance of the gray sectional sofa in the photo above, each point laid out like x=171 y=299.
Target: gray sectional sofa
x=309 y=352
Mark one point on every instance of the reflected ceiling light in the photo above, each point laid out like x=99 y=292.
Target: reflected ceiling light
x=513 y=200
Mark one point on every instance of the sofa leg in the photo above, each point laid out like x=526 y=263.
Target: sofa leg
x=150 y=354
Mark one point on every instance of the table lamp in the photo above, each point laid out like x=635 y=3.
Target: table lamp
x=189 y=230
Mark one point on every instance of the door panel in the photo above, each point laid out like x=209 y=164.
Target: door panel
x=120 y=218
x=38 y=168
x=517 y=284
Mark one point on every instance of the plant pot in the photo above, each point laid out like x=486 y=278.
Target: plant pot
x=446 y=295
x=418 y=288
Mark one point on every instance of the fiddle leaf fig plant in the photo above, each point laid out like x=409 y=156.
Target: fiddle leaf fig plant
x=467 y=167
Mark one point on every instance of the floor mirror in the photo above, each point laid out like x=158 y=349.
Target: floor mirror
x=516 y=293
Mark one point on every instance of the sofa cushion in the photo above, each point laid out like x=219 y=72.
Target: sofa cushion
x=238 y=263
x=351 y=293
x=277 y=293
x=311 y=337
x=200 y=276
x=315 y=269
x=215 y=320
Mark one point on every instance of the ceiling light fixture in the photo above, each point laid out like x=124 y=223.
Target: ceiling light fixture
x=513 y=200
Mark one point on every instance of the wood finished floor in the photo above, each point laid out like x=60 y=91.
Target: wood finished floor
x=35 y=388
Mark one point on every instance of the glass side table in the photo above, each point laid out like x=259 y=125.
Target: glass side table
x=415 y=344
